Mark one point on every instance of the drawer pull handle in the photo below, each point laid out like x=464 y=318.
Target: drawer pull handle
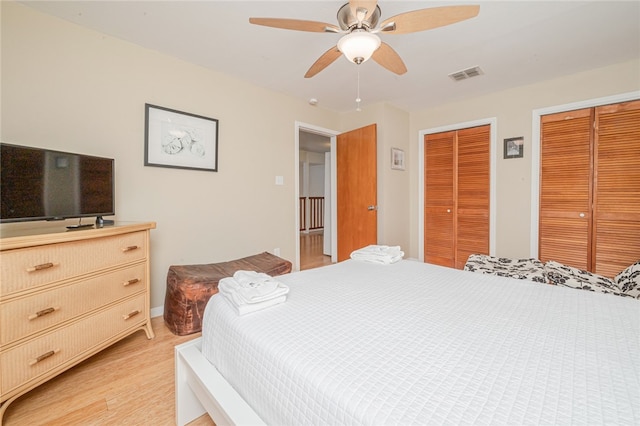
x=130 y=315
x=133 y=281
x=130 y=248
x=44 y=356
x=44 y=312
x=42 y=266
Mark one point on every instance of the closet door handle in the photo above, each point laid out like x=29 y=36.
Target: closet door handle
x=581 y=215
x=448 y=210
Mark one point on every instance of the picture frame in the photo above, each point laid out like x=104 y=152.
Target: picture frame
x=397 y=159
x=180 y=140
x=514 y=147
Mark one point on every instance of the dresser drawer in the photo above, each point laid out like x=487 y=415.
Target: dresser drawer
x=23 y=316
x=36 y=266
x=36 y=359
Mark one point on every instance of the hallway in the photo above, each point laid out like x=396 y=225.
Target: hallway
x=311 y=251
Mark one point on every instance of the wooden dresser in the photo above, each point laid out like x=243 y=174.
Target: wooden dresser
x=66 y=295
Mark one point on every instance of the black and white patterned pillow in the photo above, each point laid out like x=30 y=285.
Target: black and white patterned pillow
x=567 y=276
x=628 y=281
x=522 y=269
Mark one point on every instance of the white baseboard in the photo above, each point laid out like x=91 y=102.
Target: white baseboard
x=158 y=311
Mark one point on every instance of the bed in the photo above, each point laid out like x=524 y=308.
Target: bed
x=413 y=343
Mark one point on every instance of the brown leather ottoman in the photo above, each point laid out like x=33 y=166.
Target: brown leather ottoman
x=189 y=287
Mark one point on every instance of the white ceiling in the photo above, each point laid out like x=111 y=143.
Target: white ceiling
x=514 y=42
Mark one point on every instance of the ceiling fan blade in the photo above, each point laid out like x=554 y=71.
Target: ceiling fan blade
x=426 y=19
x=368 y=5
x=389 y=58
x=323 y=61
x=296 y=24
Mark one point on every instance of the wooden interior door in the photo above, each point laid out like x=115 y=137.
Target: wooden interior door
x=356 y=174
x=439 y=200
x=565 y=188
x=472 y=193
x=616 y=225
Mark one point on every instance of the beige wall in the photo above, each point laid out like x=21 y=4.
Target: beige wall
x=68 y=88
x=513 y=110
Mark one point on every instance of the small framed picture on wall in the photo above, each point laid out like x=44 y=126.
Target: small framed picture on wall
x=397 y=159
x=514 y=147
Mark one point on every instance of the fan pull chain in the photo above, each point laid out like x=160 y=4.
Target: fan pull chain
x=358 y=92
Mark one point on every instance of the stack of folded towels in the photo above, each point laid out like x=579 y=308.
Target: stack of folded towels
x=378 y=254
x=250 y=291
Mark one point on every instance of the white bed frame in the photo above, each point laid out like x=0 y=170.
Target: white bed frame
x=200 y=389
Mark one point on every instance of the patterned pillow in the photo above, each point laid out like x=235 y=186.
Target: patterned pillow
x=567 y=276
x=522 y=269
x=628 y=281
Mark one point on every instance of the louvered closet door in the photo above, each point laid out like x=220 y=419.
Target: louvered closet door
x=456 y=214
x=617 y=187
x=565 y=189
x=439 y=200
x=472 y=220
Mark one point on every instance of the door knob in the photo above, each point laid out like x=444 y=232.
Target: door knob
x=370 y=208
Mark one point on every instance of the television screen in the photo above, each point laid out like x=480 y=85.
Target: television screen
x=42 y=184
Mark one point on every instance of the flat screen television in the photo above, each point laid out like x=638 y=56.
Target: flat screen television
x=42 y=184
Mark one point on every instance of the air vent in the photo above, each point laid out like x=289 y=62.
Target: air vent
x=464 y=74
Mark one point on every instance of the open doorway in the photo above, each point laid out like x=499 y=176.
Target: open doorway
x=315 y=190
x=314 y=199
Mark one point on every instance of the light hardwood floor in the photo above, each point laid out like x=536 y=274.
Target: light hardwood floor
x=311 y=256
x=129 y=383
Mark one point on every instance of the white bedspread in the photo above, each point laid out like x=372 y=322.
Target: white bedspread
x=412 y=343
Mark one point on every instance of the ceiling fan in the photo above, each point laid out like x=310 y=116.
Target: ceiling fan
x=358 y=21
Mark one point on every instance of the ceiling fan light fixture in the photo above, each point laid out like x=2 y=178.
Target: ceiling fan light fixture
x=358 y=46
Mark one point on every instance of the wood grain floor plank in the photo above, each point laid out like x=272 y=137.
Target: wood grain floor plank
x=129 y=383
x=83 y=415
x=311 y=251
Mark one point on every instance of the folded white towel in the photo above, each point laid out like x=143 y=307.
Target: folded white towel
x=378 y=254
x=257 y=286
x=252 y=291
x=234 y=292
x=249 y=279
x=227 y=287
